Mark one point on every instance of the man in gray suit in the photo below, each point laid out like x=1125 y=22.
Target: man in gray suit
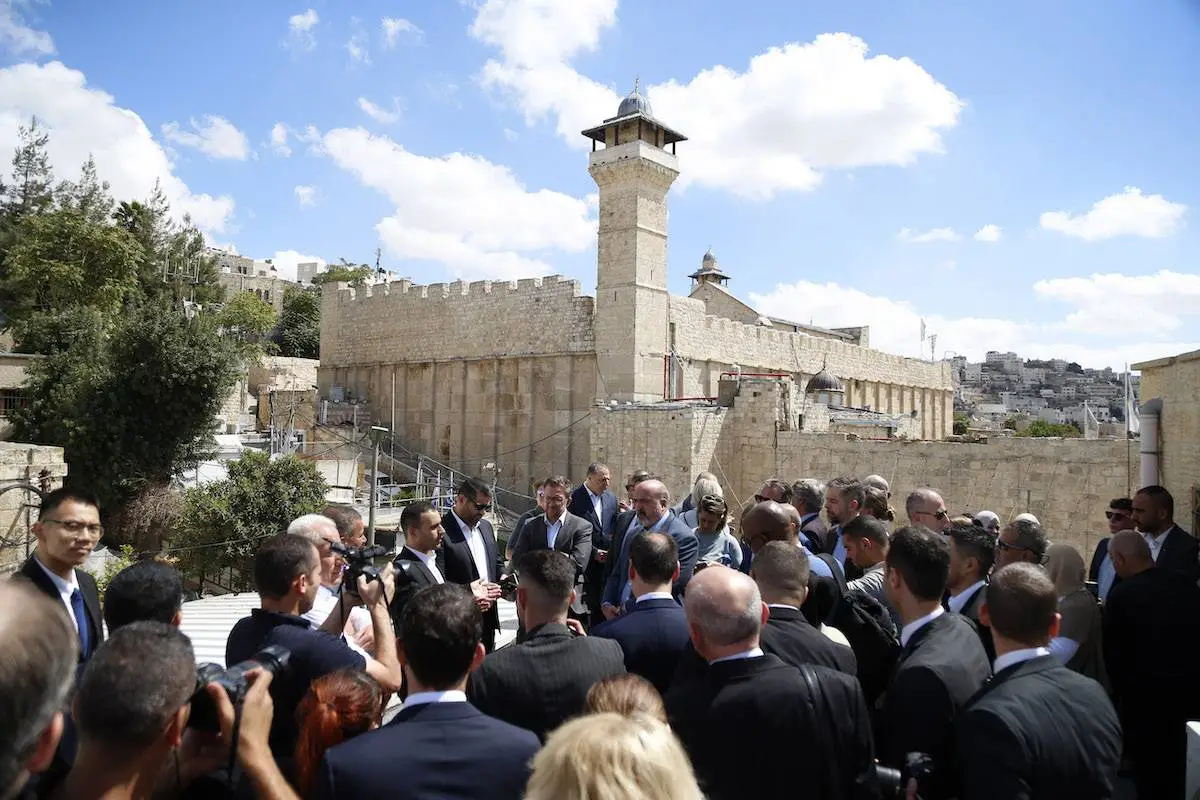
x=559 y=529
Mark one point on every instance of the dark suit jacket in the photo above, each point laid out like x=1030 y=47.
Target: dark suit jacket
x=519 y=527
x=818 y=534
x=1098 y=559
x=620 y=525
x=751 y=730
x=939 y=670
x=581 y=506
x=1008 y=749
x=689 y=550
x=543 y=681
x=971 y=612
x=1180 y=552
x=652 y=636
x=33 y=572
x=411 y=577
x=795 y=641
x=430 y=752
x=574 y=539
x=460 y=566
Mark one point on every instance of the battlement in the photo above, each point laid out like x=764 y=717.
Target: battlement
x=550 y=285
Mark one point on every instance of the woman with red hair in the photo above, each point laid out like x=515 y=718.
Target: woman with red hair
x=338 y=707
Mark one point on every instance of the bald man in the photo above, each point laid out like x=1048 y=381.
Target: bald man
x=766 y=701
x=780 y=522
x=652 y=513
x=1151 y=641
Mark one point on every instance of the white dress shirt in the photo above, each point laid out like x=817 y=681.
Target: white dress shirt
x=478 y=551
x=323 y=605
x=751 y=653
x=65 y=590
x=430 y=563
x=597 y=506
x=1018 y=656
x=1156 y=542
x=425 y=698
x=552 y=529
x=957 y=601
x=656 y=596
x=911 y=628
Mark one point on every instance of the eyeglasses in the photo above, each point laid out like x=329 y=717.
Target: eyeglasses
x=1003 y=545
x=1116 y=515
x=485 y=507
x=75 y=528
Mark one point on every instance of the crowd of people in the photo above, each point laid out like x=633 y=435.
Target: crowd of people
x=806 y=643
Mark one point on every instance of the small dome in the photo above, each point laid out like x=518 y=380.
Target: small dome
x=709 y=258
x=634 y=103
x=823 y=382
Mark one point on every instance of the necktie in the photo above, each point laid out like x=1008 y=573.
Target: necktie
x=81 y=620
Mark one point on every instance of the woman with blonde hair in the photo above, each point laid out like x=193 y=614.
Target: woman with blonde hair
x=876 y=505
x=612 y=757
x=1077 y=644
x=627 y=695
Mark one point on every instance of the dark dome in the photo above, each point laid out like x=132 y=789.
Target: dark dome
x=635 y=103
x=709 y=258
x=823 y=382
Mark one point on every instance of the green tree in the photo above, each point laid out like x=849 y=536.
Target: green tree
x=223 y=523
x=345 y=272
x=132 y=401
x=31 y=188
x=961 y=422
x=125 y=557
x=299 y=332
x=1039 y=428
x=248 y=318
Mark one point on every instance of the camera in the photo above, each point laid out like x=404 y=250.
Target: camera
x=272 y=658
x=359 y=561
x=893 y=783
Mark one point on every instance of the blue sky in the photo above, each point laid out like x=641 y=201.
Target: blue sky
x=1017 y=174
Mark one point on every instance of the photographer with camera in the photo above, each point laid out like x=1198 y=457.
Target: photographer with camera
x=287 y=574
x=322 y=531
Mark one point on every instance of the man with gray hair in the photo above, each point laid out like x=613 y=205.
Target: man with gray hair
x=808 y=496
x=769 y=703
x=690 y=501
x=322 y=531
x=1021 y=540
x=706 y=486
x=41 y=651
x=879 y=482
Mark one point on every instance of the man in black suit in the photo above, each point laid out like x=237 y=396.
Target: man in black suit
x=469 y=550
x=595 y=503
x=654 y=632
x=417 y=564
x=1037 y=730
x=543 y=681
x=1101 y=572
x=1151 y=639
x=741 y=725
x=67 y=530
x=781 y=571
x=519 y=526
x=41 y=650
x=1170 y=545
x=972 y=553
x=620 y=524
x=941 y=662
x=439 y=745
x=652 y=503
x=1021 y=541
x=808 y=496
x=559 y=529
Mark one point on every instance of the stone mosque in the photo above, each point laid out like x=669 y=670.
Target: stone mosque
x=514 y=376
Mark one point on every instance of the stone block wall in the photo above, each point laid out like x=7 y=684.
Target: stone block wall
x=24 y=464
x=1176 y=381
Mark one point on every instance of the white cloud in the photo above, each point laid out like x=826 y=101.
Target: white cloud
x=394 y=26
x=795 y=111
x=379 y=114
x=17 y=37
x=1129 y=213
x=301 y=35
x=306 y=195
x=1159 y=301
x=935 y=235
x=356 y=46
x=285 y=262
x=83 y=120
x=215 y=136
x=988 y=233
x=279 y=140
x=462 y=211
x=511 y=135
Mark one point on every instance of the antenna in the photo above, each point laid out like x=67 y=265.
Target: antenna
x=637 y=84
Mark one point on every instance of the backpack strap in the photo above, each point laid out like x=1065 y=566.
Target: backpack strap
x=824 y=722
x=839 y=573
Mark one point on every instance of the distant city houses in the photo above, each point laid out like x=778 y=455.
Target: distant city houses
x=1009 y=393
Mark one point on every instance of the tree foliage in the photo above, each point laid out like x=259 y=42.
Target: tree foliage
x=354 y=274
x=224 y=522
x=299 y=331
x=248 y=318
x=1039 y=428
x=961 y=423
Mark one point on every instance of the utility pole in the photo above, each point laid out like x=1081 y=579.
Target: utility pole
x=376 y=436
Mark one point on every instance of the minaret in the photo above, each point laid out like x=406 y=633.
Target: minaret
x=633 y=171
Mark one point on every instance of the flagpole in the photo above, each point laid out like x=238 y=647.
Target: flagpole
x=1128 y=439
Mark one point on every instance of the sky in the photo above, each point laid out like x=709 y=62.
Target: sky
x=1020 y=175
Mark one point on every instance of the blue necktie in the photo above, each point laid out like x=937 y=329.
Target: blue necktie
x=81 y=619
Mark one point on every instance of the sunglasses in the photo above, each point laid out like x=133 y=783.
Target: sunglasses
x=1003 y=545
x=485 y=507
x=1116 y=515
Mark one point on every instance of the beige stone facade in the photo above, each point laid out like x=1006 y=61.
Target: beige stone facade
x=1066 y=483
x=511 y=374
x=21 y=465
x=1176 y=381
